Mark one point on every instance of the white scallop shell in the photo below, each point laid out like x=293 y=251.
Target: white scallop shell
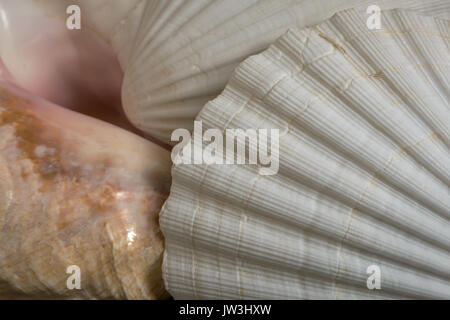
x=177 y=55
x=364 y=169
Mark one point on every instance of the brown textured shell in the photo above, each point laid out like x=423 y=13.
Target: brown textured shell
x=59 y=208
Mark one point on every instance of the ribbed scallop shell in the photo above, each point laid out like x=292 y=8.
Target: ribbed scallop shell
x=177 y=55
x=363 y=178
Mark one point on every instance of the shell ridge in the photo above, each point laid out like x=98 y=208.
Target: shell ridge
x=241 y=205
x=217 y=30
x=194 y=217
x=292 y=119
x=352 y=189
x=438 y=175
x=120 y=27
x=190 y=38
x=320 y=275
x=189 y=10
x=238 y=29
x=212 y=198
x=373 y=65
x=140 y=26
x=351 y=217
x=368 y=171
x=413 y=43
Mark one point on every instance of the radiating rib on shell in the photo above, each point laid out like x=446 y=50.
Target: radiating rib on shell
x=177 y=54
x=363 y=178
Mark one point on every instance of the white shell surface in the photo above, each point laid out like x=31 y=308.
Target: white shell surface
x=177 y=55
x=363 y=170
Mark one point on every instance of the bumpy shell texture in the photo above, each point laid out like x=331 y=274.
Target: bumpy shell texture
x=177 y=55
x=363 y=170
x=75 y=191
